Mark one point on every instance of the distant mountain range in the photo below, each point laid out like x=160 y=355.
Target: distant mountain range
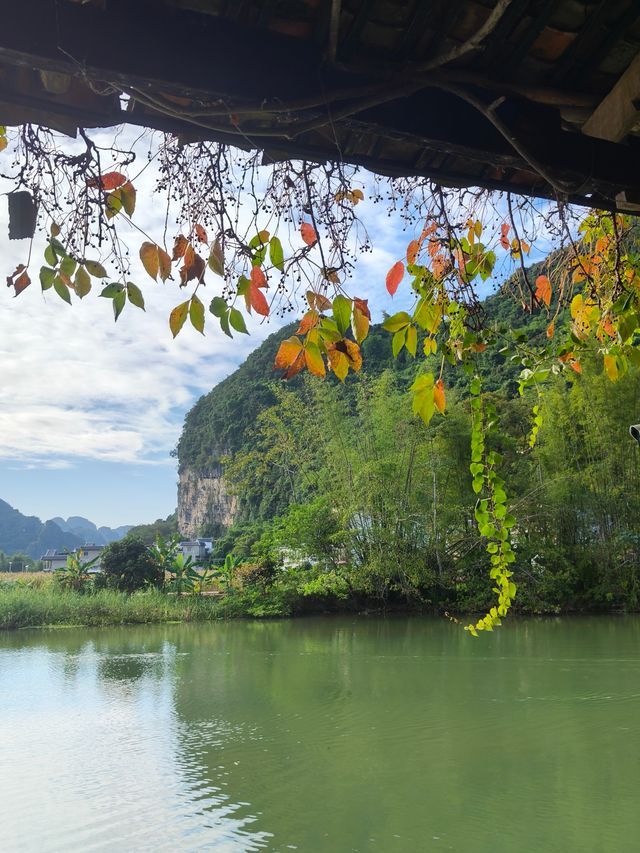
x=29 y=535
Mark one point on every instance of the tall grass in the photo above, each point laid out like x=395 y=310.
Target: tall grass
x=26 y=606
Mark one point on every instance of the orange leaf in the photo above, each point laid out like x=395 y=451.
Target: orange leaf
x=201 y=234
x=439 y=397
x=110 y=181
x=258 y=278
x=412 y=251
x=164 y=264
x=288 y=352
x=551 y=329
x=543 y=290
x=363 y=306
x=308 y=234
x=395 y=276
x=22 y=282
x=309 y=320
x=575 y=365
x=504 y=230
x=179 y=247
x=258 y=300
x=296 y=367
x=189 y=256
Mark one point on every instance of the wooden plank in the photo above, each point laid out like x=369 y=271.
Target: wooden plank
x=616 y=115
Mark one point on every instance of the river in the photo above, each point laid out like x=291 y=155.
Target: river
x=322 y=735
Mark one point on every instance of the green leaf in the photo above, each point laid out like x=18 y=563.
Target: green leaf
x=111 y=290
x=475 y=386
x=218 y=306
x=82 y=284
x=276 y=255
x=95 y=269
x=61 y=289
x=397 y=321
x=135 y=295
x=237 y=321
x=47 y=276
x=50 y=256
x=224 y=325
x=177 y=318
x=398 y=341
x=196 y=314
x=68 y=266
x=411 y=342
x=119 y=301
x=342 y=313
x=57 y=247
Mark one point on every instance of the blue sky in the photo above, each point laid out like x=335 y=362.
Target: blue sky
x=90 y=410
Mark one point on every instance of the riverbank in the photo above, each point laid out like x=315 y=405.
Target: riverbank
x=42 y=603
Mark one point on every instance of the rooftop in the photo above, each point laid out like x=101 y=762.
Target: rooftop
x=541 y=97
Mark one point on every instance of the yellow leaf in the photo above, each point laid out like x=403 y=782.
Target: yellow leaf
x=339 y=363
x=314 y=360
x=359 y=324
x=611 y=367
x=150 y=260
x=178 y=317
x=128 y=197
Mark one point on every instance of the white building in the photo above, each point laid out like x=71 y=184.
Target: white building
x=198 y=549
x=53 y=559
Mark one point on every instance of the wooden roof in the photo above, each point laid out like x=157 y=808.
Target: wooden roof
x=536 y=96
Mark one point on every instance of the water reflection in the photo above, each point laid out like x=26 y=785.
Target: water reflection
x=322 y=735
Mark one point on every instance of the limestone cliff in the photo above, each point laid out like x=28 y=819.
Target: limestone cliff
x=203 y=502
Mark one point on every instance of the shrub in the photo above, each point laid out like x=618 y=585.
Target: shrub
x=129 y=565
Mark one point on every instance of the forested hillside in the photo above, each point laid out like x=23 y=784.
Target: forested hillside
x=380 y=508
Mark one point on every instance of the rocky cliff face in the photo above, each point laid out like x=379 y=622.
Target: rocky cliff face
x=203 y=500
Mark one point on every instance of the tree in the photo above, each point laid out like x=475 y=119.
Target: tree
x=129 y=565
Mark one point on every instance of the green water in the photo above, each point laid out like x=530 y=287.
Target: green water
x=345 y=734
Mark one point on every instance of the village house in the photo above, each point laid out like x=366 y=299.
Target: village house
x=198 y=549
x=53 y=559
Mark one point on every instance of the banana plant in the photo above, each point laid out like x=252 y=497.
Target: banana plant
x=75 y=574
x=184 y=576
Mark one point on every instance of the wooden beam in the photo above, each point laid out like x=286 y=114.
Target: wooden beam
x=617 y=114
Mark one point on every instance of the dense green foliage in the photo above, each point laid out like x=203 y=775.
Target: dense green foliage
x=381 y=509
x=128 y=565
x=164 y=527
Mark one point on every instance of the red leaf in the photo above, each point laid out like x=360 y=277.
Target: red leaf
x=394 y=277
x=308 y=233
x=258 y=278
x=23 y=281
x=110 y=181
x=504 y=230
x=258 y=300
